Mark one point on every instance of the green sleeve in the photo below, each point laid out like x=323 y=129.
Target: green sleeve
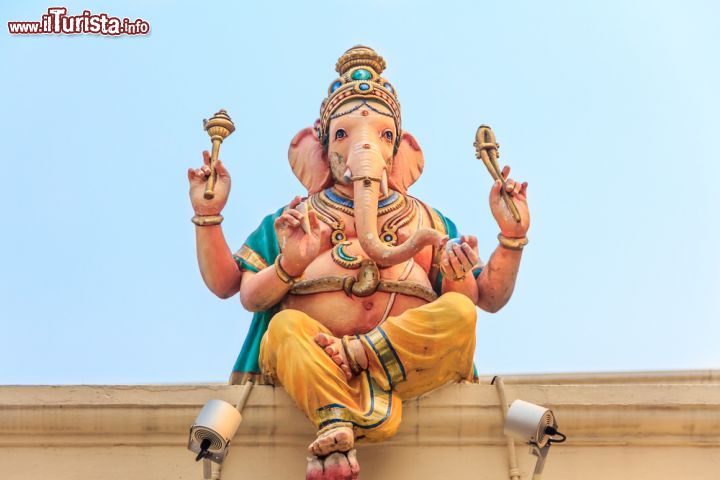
x=261 y=247
x=258 y=252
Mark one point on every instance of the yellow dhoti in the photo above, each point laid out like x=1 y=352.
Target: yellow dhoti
x=413 y=353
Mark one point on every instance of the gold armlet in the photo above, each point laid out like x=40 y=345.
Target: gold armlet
x=354 y=365
x=512 y=243
x=207 y=220
x=282 y=274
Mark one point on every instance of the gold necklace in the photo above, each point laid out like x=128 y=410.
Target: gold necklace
x=394 y=223
x=337 y=237
x=337 y=201
x=326 y=216
x=328 y=198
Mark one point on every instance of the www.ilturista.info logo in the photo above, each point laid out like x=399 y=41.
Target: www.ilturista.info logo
x=57 y=21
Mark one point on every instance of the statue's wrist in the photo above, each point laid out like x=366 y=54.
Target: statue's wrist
x=513 y=232
x=205 y=213
x=449 y=275
x=287 y=275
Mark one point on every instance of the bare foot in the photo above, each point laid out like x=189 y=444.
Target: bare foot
x=339 y=439
x=334 y=348
x=336 y=466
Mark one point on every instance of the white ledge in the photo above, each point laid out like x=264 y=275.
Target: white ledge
x=658 y=410
x=464 y=414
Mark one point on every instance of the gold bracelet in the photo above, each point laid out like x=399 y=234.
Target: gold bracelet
x=207 y=220
x=512 y=243
x=282 y=274
x=453 y=277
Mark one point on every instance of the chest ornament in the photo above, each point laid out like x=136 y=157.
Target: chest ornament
x=344 y=259
x=328 y=202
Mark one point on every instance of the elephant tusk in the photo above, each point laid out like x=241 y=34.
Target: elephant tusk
x=347 y=176
x=384 y=184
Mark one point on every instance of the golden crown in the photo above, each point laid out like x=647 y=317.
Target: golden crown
x=360 y=69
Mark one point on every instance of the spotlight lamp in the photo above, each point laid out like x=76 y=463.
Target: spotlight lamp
x=536 y=426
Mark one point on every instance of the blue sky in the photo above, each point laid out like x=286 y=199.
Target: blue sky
x=608 y=109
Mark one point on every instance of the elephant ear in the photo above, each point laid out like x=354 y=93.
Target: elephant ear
x=408 y=164
x=309 y=162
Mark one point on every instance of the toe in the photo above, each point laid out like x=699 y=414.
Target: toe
x=322 y=339
x=314 y=469
x=337 y=359
x=313 y=448
x=337 y=467
x=354 y=465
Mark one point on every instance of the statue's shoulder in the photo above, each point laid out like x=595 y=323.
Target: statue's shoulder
x=437 y=220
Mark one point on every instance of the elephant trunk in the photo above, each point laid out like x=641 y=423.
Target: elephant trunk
x=366 y=188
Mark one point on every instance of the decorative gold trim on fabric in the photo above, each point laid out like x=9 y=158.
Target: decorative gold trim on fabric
x=437 y=222
x=333 y=413
x=379 y=411
x=251 y=257
x=387 y=355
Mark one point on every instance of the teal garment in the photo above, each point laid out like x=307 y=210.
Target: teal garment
x=452 y=232
x=263 y=243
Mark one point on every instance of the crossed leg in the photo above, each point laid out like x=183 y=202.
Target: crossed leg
x=435 y=343
x=413 y=353
x=319 y=387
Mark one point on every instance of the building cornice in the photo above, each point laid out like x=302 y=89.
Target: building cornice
x=668 y=410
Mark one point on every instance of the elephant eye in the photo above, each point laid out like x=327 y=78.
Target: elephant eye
x=388 y=135
x=340 y=133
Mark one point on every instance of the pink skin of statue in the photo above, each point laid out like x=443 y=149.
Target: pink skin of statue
x=360 y=144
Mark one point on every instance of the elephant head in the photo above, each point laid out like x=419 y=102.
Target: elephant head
x=358 y=141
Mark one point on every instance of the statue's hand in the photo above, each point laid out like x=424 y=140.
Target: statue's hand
x=518 y=192
x=459 y=258
x=198 y=178
x=299 y=247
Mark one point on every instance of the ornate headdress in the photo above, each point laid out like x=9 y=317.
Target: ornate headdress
x=359 y=69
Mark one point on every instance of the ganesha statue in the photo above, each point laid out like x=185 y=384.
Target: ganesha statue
x=363 y=295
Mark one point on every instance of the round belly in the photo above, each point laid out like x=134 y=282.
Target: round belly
x=346 y=314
